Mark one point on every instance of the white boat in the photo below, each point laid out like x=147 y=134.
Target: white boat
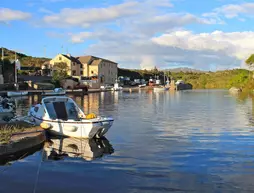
x=7 y=109
x=159 y=89
x=86 y=149
x=62 y=116
x=117 y=87
x=106 y=87
x=16 y=93
x=142 y=85
x=7 y=105
x=55 y=92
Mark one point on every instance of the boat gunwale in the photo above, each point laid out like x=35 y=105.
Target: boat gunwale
x=76 y=122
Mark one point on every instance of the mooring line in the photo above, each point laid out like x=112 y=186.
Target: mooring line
x=37 y=175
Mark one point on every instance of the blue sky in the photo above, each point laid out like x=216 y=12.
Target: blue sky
x=212 y=34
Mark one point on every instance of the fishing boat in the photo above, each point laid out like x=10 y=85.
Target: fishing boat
x=60 y=115
x=84 y=149
x=116 y=86
x=164 y=87
x=16 y=93
x=55 y=92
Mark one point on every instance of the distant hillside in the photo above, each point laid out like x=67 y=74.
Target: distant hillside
x=185 y=69
x=24 y=59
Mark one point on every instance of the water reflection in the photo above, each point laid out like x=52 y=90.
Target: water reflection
x=60 y=148
x=188 y=141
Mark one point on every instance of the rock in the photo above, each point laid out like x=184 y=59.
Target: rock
x=235 y=90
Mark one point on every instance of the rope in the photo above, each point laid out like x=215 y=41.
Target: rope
x=37 y=175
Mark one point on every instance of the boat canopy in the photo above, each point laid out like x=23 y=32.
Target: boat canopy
x=61 y=109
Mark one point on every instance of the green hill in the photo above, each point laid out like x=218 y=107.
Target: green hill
x=24 y=59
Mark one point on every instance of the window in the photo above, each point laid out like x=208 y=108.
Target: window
x=74 y=72
x=81 y=73
x=73 y=63
x=60 y=58
x=91 y=72
x=81 y=65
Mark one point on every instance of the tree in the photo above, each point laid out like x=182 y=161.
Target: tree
x=59 y=73
x=250 y=61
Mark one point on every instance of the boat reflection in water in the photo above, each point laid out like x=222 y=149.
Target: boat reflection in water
x=87 y=149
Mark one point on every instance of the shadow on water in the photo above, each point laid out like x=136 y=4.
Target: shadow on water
x=59 y=148
x=5 y=160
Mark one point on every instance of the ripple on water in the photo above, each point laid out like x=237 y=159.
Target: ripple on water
x=189 y=141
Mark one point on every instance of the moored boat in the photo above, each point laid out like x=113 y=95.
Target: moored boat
x=7 y=109
x=55 y=92
x=159 y=89
x=16 y=93
x=60 y=115
x=117 y=87
x=142 y=85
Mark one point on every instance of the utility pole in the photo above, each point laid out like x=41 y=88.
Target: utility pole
x=2 y=53
x=3 y=61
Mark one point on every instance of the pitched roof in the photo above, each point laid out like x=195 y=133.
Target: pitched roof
x=85 y=59
x=73 y=59
x=89 y=59
x=96 y=62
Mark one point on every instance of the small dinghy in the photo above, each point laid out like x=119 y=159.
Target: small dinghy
x=7 y=109
x=60 y=115
x=13 y=93
x=142 y=85
x=7 y=105
x=55 y=92
x=160 y=89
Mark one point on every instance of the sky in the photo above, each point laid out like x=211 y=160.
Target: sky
x=206 y=35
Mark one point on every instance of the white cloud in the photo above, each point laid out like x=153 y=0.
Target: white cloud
x=236 y=44
x=132 y=42
x=85 y=17
x=10 y=15
x=133 y=50
x=233 y=10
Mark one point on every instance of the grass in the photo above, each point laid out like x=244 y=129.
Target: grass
x=7 y=130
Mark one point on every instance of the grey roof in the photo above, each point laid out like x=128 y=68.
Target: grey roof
x=73 y=59
x=89 y=59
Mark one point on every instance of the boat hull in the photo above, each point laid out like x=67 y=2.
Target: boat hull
x=53 y=94
x=11 y=94
x=78 y=129
x=160 y=89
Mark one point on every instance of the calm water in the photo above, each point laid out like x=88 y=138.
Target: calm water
x=191 y=141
